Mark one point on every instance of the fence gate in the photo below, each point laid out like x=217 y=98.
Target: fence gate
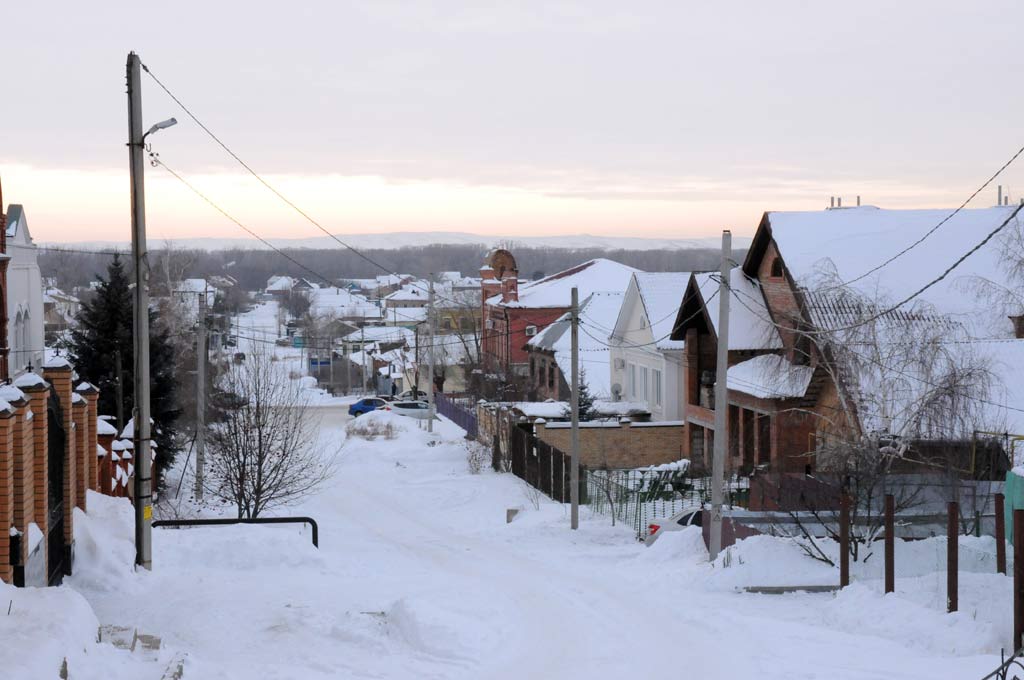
x=57 y=553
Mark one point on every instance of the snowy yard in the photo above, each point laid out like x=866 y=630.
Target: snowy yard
x=419 y=576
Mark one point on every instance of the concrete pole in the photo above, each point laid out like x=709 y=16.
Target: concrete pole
x=119 y=390
x=143 y=462
x=362 y=344
x=574 y=408
x=430 y=356
x=721 y=399
x=201 y=397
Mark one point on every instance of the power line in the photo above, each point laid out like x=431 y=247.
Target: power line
x=267 y=184
x=933 y=229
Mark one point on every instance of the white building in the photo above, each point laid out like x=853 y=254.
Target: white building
x=24 y=295
x=646 y=364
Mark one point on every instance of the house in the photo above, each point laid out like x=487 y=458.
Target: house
x=24 y=292
x=59 y=312
x=550 y=351
x=512 y=314
x=646 y=363
x=821 y=356
x=285 y=286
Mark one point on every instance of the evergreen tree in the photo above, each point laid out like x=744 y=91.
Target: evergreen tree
x=104 y=329
x=586 y=400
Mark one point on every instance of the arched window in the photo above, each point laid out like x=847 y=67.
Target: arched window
x=777 y=267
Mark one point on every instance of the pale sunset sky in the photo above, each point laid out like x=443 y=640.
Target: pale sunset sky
x=669 y=119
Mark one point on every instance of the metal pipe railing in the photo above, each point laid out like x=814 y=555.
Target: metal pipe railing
x=258 y=520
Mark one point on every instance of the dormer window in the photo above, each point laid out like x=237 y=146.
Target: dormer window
x=777 y=268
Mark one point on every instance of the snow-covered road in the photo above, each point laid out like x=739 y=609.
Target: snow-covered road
x=419 y=576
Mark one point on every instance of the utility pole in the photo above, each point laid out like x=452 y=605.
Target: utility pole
x=721 y=399
x=430 y=356
x=574 y=406
x=362 y=343
x=201 y=397
x=143 y=462
x=119 y=375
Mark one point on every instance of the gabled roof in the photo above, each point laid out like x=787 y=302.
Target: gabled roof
x=826 y=247
x=555 y=290
x=750 y=325
x=661 y=294
x=770 y=376
x=597 y=312
x=16 y=222
x=341 y=303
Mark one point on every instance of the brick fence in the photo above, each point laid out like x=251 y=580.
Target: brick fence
x=618 y=445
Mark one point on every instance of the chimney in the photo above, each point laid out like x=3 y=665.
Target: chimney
x=858 y=200
x=832 y=202
x=999 y=195
x=839 y=201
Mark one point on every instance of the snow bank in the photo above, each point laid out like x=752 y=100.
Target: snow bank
x=770 y=561
x=678 y=547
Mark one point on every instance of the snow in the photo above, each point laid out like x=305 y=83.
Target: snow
x=56 y=362
x=597 y=315
x=851 y=241
x=11 y=393
x=29 y=379
x=419 y=576
x=77 y=398
x=662 y=294
x=750 y=324
x=381 y=334
x=35 y=536
x=770 y=376
x=556 y=290
x=341 y=303
x=103 y=427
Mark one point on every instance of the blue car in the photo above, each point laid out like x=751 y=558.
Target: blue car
x=366 y=405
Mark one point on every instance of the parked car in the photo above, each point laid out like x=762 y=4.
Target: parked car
x=366 y=405
x=412 y=395
x=689 y=516
x=413 y=409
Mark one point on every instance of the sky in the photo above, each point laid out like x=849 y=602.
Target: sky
x=663 y=119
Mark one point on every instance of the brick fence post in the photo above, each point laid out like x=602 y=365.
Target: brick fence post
x=58 y=373
x=23 y=457
x=37 y=391
x=79 y=412
x=6 y=488
x=92 y=396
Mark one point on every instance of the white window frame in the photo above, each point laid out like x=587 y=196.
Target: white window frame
x=644 y=376
x=656 y=386
x=632 y=381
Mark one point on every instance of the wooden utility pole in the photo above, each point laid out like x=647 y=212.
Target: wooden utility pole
x=430 y=356
x=119 y=390
x=574 y=407
x=200 y=397
x=721 y=399
x=1000 y=534
x=844 y=540
x=890 y=543
x=1018 y=578
x=952 y=556
x=143 y=462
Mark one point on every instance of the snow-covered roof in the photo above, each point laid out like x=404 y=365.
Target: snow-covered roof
x=57 y=362
x=29 y=379
x=11 y=393
x=280 y=283
x=341 y=303
x=770 y=376
x=555 y=290
x=597 y=314
x=104 y=428
x=410 y=292
x=662 y=294
x=197 y=286
x=750 y=324
x=381 y=334
x=851 y=241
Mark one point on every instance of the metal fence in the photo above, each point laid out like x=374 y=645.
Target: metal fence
x=637 y=497
x=454 y=409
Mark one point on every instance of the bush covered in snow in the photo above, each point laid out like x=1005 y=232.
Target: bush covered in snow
x=373 y=425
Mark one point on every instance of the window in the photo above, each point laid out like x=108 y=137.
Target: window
x=643 y=383
x=533 y=369
x=656 y=388
x=632 y=381
x=777 y=267
x=551 y=375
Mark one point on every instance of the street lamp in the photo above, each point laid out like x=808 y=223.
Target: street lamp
x=162 y=125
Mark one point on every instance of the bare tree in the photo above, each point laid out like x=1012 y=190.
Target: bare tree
x=263 y=453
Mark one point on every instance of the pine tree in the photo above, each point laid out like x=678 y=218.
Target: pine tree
x=104 y=329
x=586 y=400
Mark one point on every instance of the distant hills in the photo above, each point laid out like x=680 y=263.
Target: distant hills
x=415 y=239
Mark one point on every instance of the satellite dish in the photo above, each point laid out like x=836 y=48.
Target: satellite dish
x=616 y=391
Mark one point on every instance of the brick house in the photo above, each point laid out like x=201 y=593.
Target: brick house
x=512 y=314
x=782 y=402
x=47 y=451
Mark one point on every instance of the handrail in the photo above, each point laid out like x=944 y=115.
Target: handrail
x=258 y=520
